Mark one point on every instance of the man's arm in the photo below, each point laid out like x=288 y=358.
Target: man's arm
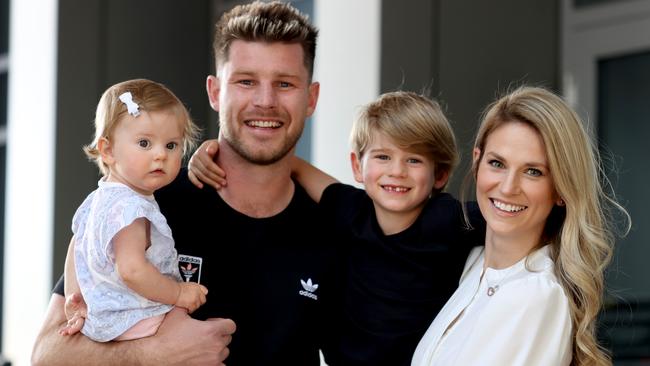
x=180 y=340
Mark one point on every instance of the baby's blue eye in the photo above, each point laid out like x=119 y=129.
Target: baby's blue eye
x=143 y=143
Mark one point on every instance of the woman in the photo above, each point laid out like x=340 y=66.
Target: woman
x=531 y=296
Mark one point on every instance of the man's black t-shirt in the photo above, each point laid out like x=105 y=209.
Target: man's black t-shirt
x=272 y=276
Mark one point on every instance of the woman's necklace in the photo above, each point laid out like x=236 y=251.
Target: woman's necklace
x=493 y=288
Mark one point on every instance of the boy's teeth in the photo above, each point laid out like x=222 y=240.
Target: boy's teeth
x=396 y=189
x=507 y=207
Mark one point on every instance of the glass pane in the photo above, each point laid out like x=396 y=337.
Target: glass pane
x=303 y=148
x=624 y=133
x=583 y=3
x=4 y=26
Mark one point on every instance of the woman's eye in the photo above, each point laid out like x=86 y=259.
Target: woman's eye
x=171 y=145
x=534 y=172
x=143 y=143
x=496 y=163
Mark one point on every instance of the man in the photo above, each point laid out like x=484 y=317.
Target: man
x=256 y=244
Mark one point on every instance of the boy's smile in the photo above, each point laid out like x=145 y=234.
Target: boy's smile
x=398 y=181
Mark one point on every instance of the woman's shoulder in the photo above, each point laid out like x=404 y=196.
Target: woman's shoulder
x=537 y=282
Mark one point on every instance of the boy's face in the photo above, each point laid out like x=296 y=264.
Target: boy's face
x=398 y=181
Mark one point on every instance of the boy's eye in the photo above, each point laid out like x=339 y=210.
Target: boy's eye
x=171 y=145
x=534 y=172
x=144 y=143
x=382 y=157
x=495 y=163
x=413 y=161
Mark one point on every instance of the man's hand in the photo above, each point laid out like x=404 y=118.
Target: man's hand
x=75 y=312
x=192 y=342
x=202 y=168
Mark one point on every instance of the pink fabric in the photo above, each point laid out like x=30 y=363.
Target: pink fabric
x=144 y=328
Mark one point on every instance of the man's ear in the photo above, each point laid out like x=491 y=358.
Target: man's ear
x=213 y=87
x=105 y=150
x=356 y=167
x=314 y=91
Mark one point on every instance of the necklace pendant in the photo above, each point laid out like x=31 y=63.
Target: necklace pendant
x=491 y=290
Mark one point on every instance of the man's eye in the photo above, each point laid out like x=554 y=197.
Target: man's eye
x=284 y=84
x=143 y=143
x=171 y=145
x=246 y=82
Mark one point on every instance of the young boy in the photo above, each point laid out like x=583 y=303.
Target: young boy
x=405 y=242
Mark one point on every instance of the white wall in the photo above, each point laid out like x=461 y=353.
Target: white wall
x=347 y=66
x=30 y=174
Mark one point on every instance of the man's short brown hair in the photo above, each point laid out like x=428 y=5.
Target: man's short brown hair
x=265 y=22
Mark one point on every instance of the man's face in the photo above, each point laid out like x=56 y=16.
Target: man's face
x=263 y=96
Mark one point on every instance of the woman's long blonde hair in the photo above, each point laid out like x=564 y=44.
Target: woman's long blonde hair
x=581 y=232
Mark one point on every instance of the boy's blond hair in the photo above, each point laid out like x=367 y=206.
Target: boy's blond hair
x=150 y=96
x=414 y=122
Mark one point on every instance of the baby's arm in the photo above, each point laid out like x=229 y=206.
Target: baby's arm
x=142 y=277
x=76 y=315
x=311 y=178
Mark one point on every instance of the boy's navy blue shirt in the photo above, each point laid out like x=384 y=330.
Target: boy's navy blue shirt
x=395 y=284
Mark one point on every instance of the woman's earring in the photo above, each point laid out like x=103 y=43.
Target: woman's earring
x=560 y=202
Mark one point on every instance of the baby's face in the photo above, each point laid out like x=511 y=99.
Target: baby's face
x=145 y=152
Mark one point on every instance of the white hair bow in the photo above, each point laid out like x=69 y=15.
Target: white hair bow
x=132 y=107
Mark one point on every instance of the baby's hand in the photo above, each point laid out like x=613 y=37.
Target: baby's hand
x=191 y=296
x=75 y=311
x=203 y=169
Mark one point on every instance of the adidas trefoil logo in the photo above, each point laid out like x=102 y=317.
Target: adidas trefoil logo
x=309 y=289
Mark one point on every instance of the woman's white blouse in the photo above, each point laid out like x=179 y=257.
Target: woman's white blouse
x=525 y=322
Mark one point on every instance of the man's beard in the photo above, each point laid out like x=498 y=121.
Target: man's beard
x=262 y=157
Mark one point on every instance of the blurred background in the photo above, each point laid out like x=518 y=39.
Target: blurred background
x=57 y=57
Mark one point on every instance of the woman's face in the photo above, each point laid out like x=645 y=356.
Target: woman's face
x=514 y=187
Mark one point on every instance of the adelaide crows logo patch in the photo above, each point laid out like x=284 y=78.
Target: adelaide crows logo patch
x=190 y=267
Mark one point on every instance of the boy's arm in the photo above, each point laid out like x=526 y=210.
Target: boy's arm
x=180 y=340
x=130 y=245
x=202 y=168
x=311 y=178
